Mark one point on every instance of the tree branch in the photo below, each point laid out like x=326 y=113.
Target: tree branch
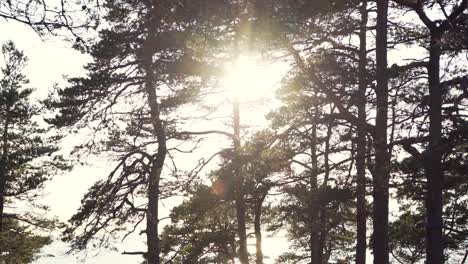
x=134 y=253
x=310 y=72
x=418 y=7
x=455 y=13
x=207 y=132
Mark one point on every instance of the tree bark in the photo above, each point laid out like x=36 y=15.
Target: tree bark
x=434 y=172
x=239 y=188
x=314 y=208
x=433 y=156
x=361 y=214
x=434 y=203
x=2 y=196
x=152 y=213
x=382 y=159
x=323 y=210
x=258 y=228
x=3 y=169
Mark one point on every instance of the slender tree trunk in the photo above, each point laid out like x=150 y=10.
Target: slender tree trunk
x=152 y=220
x=382 y=159
x=2 y=196
x=323 y=210
x=434 y=203
x=258 y=228
x=361 y=215
x=152 y=213
x=239 y=189
x=3 y=170
x=465 y=257
x=314 y=208
x=433 y=156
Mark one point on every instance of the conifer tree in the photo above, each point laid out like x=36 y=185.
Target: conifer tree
x=27 y=161
x=433 y=156
x=144 y=66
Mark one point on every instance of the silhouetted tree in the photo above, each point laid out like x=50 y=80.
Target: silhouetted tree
x=144 y=67
x=27 y=161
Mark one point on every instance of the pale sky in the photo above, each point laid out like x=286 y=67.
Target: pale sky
x=49 y=60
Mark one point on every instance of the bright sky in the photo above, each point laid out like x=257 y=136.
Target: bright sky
x=249 y=79
x=50 y=60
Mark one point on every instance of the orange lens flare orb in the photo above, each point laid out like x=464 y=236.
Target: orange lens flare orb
x=219 y=188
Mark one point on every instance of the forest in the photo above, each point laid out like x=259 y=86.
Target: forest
x=239 y=131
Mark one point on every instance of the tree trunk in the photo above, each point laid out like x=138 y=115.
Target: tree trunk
x=361 y=214
x=433 y=156
x=258 y=228
x=239 y=189
x=434 y=203
x=323 y=210
x=314 y=208
x=382 y=159
x=3 y=170
x=465 y=257
x=2 y=196
x=152 y=233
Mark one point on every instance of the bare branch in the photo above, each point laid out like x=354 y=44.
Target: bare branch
x=207 y=132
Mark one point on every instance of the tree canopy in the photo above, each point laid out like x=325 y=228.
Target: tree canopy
x=362 y=152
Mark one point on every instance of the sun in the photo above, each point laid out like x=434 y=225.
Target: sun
x=249 y=78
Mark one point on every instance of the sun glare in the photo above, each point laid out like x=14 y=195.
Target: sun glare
x=249 y=79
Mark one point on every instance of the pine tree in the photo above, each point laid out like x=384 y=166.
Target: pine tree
x=433 y=157
x=27 y=162
x=202 y=229
x=49 y=18
x=145 y=65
